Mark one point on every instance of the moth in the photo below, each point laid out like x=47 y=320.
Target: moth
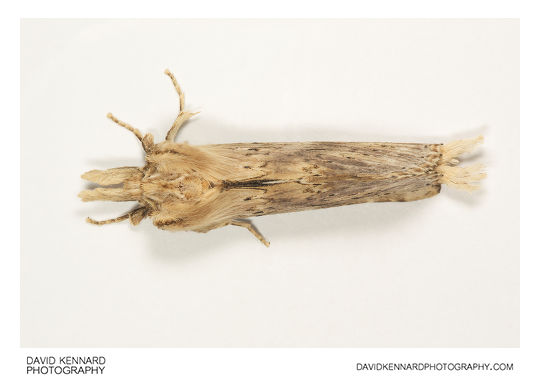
x=201 y=188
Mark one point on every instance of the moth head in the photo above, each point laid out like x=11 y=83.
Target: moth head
x=119 y=184
x=125 y=183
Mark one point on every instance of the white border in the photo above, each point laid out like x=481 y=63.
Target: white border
x=264 y=364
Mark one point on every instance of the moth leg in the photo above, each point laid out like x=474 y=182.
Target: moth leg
x=111 y=221
x=249 y=226
x=146 y=141
x=183 y=116
x=135 y=216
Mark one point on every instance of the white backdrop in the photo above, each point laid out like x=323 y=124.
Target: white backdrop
x=437 y=272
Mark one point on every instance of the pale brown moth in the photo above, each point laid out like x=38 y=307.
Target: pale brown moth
x=200 y=188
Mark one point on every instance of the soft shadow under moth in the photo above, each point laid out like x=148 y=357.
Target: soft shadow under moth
x=200 y=188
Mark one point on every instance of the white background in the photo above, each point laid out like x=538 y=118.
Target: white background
x=442 y=272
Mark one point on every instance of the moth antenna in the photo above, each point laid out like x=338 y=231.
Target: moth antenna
x=183 y=116
x=127 y=126
x=178 y=89
x=147 y=141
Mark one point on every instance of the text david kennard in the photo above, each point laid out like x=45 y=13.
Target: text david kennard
x=65 y=364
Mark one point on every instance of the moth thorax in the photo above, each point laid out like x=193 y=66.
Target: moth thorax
x=185 y=188
x=194 y=187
